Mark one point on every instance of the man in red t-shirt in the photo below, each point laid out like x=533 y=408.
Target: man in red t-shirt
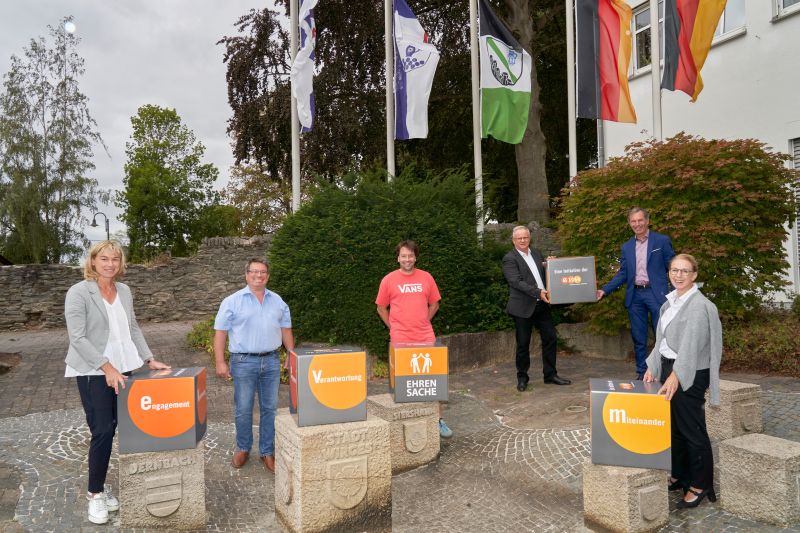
x=413 y=297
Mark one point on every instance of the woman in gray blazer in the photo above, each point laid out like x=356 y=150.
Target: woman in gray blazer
x=686 y=358
x=105 y=345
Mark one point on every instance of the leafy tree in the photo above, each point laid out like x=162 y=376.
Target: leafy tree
x=349 y=133
x=46 y=138
x=219 y=220
x=328 y=259
x=724 y=201
x=262 y=202
x=168 y=201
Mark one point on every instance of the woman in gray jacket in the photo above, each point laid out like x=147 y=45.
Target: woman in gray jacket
x=105 y=345
x=686 y=359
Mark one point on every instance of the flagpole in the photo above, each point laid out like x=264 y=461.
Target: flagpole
x=476 y=115
x=388 y=24
x=601 y=144
x=573 y=149
x=293 y=23
x=655 y=69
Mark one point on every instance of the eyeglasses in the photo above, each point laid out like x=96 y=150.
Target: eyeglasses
x=259 y=272
x=683 y=271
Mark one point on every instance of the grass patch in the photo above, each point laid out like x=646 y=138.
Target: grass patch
x=766 y=344
x=380 y=368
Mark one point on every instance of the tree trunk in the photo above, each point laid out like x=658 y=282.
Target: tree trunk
x=533 y=199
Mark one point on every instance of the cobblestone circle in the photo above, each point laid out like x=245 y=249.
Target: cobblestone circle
x=501 y=472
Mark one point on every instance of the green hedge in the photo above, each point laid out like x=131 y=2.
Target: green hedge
x=767 y=344
x=328 y=259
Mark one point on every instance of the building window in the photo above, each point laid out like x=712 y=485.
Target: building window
x=641 y=35
x=733 y=17
x=786 y=5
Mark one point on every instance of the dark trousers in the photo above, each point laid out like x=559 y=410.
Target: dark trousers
x=692 y=458
x=542 y=320
x=644 y=302
x=100 y=405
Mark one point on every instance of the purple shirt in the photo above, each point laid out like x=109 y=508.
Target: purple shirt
x=641 y=260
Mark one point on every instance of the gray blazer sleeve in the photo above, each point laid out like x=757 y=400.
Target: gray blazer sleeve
x=83 y=321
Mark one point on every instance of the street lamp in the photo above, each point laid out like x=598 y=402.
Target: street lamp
x=94 y=224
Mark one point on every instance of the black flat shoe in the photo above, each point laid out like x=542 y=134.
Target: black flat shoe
x=522 y=384
x=675 y=485
x=712 y=497
x=555 y=380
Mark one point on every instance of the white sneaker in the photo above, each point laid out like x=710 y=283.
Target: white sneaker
x=98 y=512
x=112 y=503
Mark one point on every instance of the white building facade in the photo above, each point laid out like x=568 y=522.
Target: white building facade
x=752 y=87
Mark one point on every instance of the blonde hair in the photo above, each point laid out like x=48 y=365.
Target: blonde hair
x=688 y=258
x=89 y=272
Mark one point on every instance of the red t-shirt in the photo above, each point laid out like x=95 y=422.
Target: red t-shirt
x=408 y=297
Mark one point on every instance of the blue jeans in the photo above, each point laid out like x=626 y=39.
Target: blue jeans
x=252 y=373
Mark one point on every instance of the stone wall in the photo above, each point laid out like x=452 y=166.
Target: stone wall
x=180 y=288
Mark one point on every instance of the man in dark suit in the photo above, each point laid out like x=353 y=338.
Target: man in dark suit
x=529 y=306
x=643 y=269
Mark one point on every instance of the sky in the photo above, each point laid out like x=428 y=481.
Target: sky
x=138 y=52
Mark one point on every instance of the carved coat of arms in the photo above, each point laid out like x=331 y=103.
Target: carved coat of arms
x=415 y=435
x=649 y=502
x=284 y=478
x=347 y=481
x=163 y=493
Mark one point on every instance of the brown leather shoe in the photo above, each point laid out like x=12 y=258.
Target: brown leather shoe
x=239 y=459
x=269 y=462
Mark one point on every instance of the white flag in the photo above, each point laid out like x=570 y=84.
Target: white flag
x=302 y=74
x=415 y=65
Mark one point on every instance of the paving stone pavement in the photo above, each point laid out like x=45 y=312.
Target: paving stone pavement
x=514 y=463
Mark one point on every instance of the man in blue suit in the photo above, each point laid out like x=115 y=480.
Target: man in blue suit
x=643 y=269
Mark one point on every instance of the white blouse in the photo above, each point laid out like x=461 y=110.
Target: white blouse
x=120 y=350
x=675 y=304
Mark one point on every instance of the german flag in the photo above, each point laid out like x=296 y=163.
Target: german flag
x=603 y=53
x=689 y=27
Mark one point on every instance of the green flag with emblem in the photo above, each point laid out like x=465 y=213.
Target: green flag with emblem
x=505 y=80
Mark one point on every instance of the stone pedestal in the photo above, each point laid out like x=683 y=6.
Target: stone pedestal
x=625 y=499
x=739 y=412
x=333 y=476
x=163 y=490
x=760 y=478
x=413 y=430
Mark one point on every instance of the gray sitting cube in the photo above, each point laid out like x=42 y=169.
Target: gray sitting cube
x=620 y=498
x=739 y=412
x=760 y=478
x=413 y=430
